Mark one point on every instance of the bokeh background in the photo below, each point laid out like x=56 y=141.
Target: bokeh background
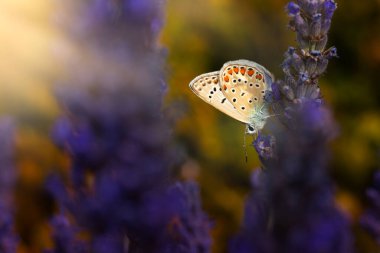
x=200 y=35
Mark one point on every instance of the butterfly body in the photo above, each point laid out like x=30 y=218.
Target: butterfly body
x=238 y=90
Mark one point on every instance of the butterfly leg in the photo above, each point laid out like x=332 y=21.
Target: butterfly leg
x=245 y=146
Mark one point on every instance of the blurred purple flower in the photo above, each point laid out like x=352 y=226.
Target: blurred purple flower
x=190 y=227
x=8 y=237
x=65 y=237
x=114 y=131
x=292 y=206
x=254 y=235
x=371 y=218
x=293 y=8
x=264 y=146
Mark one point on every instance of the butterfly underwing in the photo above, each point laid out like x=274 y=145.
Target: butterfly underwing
x=238 y=90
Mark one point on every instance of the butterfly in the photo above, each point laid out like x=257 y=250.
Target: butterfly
x=239 y=90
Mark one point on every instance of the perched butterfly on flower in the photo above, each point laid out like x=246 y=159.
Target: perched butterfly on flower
x=239 y=90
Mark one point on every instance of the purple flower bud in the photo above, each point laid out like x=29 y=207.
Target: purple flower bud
x=321 y=66
x=297 y=62
x=330 y=7
x=316 y=25
x=311 y=65
x=288 y=92
x=317 y=17
x=315 y=53
x=312 y=6
x=326 y=24
x=264 y=145
x=293 y=8
x=301 y=25
x=304 y=77
x=291 y=51
x=321 y=43
x=332 y=53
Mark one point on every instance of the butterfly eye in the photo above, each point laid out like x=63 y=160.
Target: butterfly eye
x=251 y=129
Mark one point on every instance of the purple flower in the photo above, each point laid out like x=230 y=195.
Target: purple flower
x=304 y=64
x=113 y=129
x=254 y=235
x=293 y=8
x=371 y=218
x=190 y=227
x=291 y=208
x=8 y=237
x=65 y=237
x=329 y=8
x=264 y=146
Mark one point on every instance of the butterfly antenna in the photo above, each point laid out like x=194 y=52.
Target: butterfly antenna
x=272 y=115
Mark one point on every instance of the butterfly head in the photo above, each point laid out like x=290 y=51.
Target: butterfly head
x=250 y=129
x=257 y=120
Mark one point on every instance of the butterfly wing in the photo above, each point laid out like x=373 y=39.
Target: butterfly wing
x=244 y=83
x=207 y=87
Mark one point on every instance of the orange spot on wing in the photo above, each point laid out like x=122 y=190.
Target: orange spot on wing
x=236 y=70
x=251 y=72
x=229 y=71
x=224 y=87
x=226 y=79
x=242 y=70
x=259 y=76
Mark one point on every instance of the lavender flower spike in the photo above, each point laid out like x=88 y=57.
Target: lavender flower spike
x=292 y=208
x=295 y=177
x=112 y=126
x=190 y=227
x=304 y=64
